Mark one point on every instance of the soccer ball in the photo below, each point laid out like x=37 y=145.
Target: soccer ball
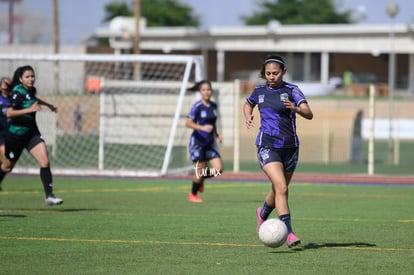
x=273 y=233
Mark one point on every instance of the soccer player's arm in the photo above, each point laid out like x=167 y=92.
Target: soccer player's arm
x=52 y=107
x=304 y=110
x=216 y=132
x=248 y=113
x=197 y=127
x=189 y=123
x=14 y=111
x=217 y=135
x=300 y=106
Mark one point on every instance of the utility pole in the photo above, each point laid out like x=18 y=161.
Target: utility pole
x=392 y=9
x=56 y=34
x=137 y=13
x=56 y=38
x=11 y=19
x=137 y=49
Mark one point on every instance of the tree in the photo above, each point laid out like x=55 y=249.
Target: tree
x=115 y=9
x=298 y=12
x=157 y=12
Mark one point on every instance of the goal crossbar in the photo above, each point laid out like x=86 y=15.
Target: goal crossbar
x=104 y=58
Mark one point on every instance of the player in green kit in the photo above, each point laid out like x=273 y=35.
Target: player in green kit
x=23 y=131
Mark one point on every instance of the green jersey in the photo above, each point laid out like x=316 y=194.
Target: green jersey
x=22 y=98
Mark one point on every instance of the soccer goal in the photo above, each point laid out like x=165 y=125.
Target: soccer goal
x=118 y=115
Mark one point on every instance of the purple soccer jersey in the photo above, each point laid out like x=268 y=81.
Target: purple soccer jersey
x=4 y=104
x=204 y=115
x=277 y=123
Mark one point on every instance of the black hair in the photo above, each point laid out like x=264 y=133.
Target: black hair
x=18 y=73
x=272 y=59
x=197 y=85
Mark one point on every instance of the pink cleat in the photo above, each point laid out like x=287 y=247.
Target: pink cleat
x=194 y=198
x=259 y=219
x=292 y=240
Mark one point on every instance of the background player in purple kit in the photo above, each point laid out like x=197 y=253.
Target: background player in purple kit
x=277 y=142
x=4 y=127
x=202 y=119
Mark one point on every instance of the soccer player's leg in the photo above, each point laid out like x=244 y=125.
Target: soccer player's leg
x=199 y=164
x=215 y=167
x=38 y=150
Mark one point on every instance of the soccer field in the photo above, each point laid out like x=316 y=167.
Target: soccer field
x=144 y=226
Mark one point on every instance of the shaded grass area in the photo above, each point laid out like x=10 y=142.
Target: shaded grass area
x=109 y=226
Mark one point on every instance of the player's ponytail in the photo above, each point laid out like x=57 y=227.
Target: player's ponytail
x=197 y=85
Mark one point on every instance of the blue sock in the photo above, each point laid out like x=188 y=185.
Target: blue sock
x=286 y=219
x=266 y=210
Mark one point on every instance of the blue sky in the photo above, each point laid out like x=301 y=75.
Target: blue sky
x=80 y=18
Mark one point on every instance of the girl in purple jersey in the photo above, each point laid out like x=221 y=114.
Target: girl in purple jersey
x=202 y=119
x=4 y=128
x=277 y=142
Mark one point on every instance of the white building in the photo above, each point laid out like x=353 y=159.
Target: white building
x=314 y=53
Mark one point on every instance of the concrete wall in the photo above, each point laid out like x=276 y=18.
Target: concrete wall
x=70 y=74
x=327 y=138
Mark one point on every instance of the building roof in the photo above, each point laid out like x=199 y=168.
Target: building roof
x=350 y=38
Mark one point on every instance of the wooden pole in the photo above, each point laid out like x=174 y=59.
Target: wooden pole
x=11 y=22
x=56 y=34
x=136 y=49
x=11 y=19
x=56 y=39
x=137 y=12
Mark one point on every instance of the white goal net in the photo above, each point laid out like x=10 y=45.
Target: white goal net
x=118 y=115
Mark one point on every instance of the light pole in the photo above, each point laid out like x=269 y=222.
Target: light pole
x=11 y=18
x=137 y=14
x=56 y=44
x=137 y=38
x=392 y=10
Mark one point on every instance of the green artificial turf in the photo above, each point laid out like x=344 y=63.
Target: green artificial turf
x=137 y=226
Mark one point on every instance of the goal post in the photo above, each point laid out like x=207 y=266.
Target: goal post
x=118 y=115
x=174 y=125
